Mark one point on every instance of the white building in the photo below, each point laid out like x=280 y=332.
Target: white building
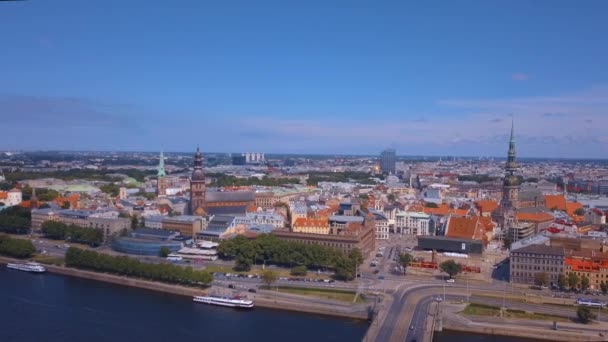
x=154 y=221
x=261 y=218
x=381 y=225
x=254 y=157
x=412 y=223
x=11 y=197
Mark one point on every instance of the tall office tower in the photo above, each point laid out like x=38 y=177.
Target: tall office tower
x=388 y=159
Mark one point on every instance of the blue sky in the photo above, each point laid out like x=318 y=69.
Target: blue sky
x=438 y=78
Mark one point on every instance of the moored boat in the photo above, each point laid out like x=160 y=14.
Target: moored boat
x=27 y=266
x=233 y=302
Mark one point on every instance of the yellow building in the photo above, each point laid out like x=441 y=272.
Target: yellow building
x=311 y=225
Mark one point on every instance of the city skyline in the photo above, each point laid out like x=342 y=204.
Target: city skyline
x=306 y=79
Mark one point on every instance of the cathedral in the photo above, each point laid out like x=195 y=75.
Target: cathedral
x=198 y=188
x=506 y=214
x=203 y=202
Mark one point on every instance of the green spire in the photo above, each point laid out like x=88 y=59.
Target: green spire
x=161 y=166
x=512 y=140
x=511 y=161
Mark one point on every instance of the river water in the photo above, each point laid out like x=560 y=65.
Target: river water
x=53 y=308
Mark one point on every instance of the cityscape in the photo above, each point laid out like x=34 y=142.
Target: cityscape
x=141 y=182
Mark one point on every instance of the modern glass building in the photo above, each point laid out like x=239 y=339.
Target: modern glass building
x=388 y=158
x=138 y=246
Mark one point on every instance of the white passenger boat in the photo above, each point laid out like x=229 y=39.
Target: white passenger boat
x=234 y=302
x=27 y=266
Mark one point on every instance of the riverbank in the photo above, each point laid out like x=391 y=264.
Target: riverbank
x=565 y=331
x=264 y=300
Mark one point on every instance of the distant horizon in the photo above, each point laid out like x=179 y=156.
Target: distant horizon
x=447 y=158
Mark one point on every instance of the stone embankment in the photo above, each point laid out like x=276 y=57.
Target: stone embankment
x=291 y=303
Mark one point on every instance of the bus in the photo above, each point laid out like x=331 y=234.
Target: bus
x=590 y=302
x=174 y=257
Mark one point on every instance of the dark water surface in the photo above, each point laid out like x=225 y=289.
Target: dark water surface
x=53 y=308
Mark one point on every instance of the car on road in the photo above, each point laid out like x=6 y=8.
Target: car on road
x=450 y=281
x=381 y=277
x=231 y=286
x=252 y=290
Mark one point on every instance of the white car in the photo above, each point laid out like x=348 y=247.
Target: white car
x=439 y=299
x=450 y=281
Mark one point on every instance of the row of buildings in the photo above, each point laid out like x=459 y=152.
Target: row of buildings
x=560 y=256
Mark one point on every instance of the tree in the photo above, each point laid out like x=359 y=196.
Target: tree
x=579 y=212
x=66 y=205
x=405 y=259
x=562 y=282
x=242 y=264
x=164 y=252
x=431 y=205
x=604 y=287
x=573 y=280
x=269 y=277
x=584 y=314
x=298 y=271
x=391 y=198
x=355 y=256
x=541 y=279
x=345 y=269
x=584 y=282
x=17 y=248
x=450 y=267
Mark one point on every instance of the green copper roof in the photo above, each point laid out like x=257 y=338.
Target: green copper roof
x=161 y=166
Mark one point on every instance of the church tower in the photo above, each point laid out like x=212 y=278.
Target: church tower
x=510 y=194
x=510 y=190
x=198 y=188
x=161 y=184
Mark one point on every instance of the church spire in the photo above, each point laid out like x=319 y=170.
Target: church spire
x=161 y=165
x=511 y=164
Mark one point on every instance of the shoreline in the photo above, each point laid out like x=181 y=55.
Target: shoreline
x=565 y=333
x=180 y=290
x=544 y=335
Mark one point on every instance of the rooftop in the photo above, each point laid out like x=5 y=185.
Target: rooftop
x=541 y=249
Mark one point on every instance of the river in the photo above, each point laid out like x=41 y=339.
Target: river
x=51 y=308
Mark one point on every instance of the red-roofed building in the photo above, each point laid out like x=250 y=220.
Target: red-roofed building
x=486 y=207
x=311 y=225
x=466 y=228
x=595 y=216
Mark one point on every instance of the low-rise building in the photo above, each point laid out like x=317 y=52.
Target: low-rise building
x=261 y=218
x=595 y=216
x=311 y=226
x=265 y=200
x=528 y=261
x=412 y=223
x=590 y=263
x=187 y=225
x=354 y=235
x=107 y=221
x=10 y=198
